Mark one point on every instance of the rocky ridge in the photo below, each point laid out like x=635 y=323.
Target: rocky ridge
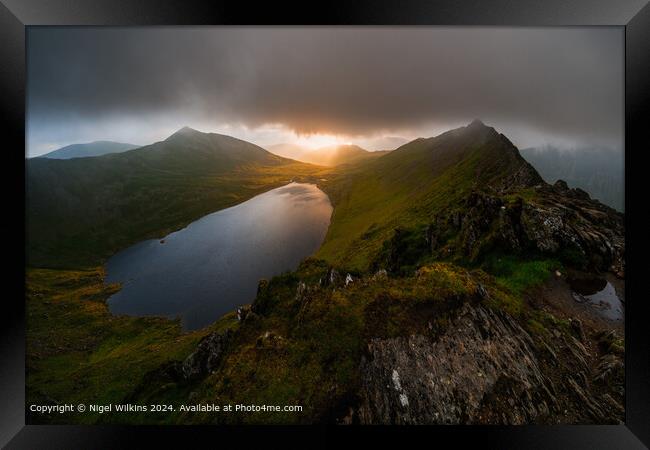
x=548 y=219
x=486 y=369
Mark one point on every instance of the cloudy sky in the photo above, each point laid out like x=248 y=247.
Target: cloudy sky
x=373 y=86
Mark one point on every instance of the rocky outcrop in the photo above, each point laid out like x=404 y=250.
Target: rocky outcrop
x=486 y=369
x=207 y=356
x=331 y=278
x=553 y=220
x=418 y=380
x=203 y=361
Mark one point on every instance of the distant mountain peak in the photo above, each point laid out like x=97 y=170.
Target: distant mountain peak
x=479 y=130
x=477 y=123
x=89 y=149
x=186 y=130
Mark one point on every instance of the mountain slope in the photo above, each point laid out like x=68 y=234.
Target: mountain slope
x=600 y=172
x=82 y=210
x=407 y=186
x=96 y=148
x=334 y=155
x=431 y=302
x=447 y=243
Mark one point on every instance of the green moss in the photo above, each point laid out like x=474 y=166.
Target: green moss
x=517 y=274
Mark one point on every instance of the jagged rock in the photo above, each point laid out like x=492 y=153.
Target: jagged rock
x=588 y=402
x=262 y=285
x=576 y=326
x=332 y=278
x=481 y=291
x=260 y=304
x=251 y=317
x=418 y=380
x=484 y=369
x=557 y=220
x=207 y=355
x=243 y=312
x=608 y=341
x=300 y=291
x=561 y=185
x=610 y=370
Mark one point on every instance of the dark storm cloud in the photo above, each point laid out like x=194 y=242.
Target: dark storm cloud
x=351 y=81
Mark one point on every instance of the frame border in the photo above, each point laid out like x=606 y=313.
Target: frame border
x=633 y=15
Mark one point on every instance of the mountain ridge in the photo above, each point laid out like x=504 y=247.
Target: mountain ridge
x=433 y=300
x=413 y=181
x=89 y=149
x=116 y=199
x=330 y=156
x=599 y=171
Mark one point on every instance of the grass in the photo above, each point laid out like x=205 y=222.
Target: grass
x=323 y=337
x=407 y=188
x=77 y=352
x=517 y=274
x=297 y=350
x=81 y=211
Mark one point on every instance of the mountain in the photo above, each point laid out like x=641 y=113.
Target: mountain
x=599 y=171
x=408 y=185
x=326 y=156
x=81 y=210
x=388 y=142
x=95 y=148
x=440 y=184
x=444 y=293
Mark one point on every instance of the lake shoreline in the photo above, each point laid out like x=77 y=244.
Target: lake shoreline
x=221 y=255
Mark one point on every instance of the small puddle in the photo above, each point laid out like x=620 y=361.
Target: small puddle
x=599 y=294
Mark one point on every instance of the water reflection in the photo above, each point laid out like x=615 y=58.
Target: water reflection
x=215 y=263
x=599 y=294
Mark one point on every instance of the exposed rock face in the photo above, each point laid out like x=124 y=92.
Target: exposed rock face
x=415 y=380
x=557 y=220
x=485 y=369
x=207 y=355
x=332 y=278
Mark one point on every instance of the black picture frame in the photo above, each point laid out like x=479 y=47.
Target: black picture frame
x=633 y=15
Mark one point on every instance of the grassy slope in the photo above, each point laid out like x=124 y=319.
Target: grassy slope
x=319 y=339
x=81 y=211
x=314 y=360
x=78 y=352
x=406 y=188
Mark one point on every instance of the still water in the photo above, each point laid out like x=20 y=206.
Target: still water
x=599 y=294
x=214 y=264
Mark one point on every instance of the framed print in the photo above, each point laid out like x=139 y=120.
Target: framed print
x=370 y=221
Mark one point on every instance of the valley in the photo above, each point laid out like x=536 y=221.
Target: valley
x=436 y=296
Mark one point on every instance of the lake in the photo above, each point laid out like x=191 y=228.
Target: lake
x=215 y=263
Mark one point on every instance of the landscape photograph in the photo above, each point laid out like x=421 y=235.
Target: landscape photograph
x=325 y=225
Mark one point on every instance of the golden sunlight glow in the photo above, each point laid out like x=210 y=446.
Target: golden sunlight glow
x=314 y=141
